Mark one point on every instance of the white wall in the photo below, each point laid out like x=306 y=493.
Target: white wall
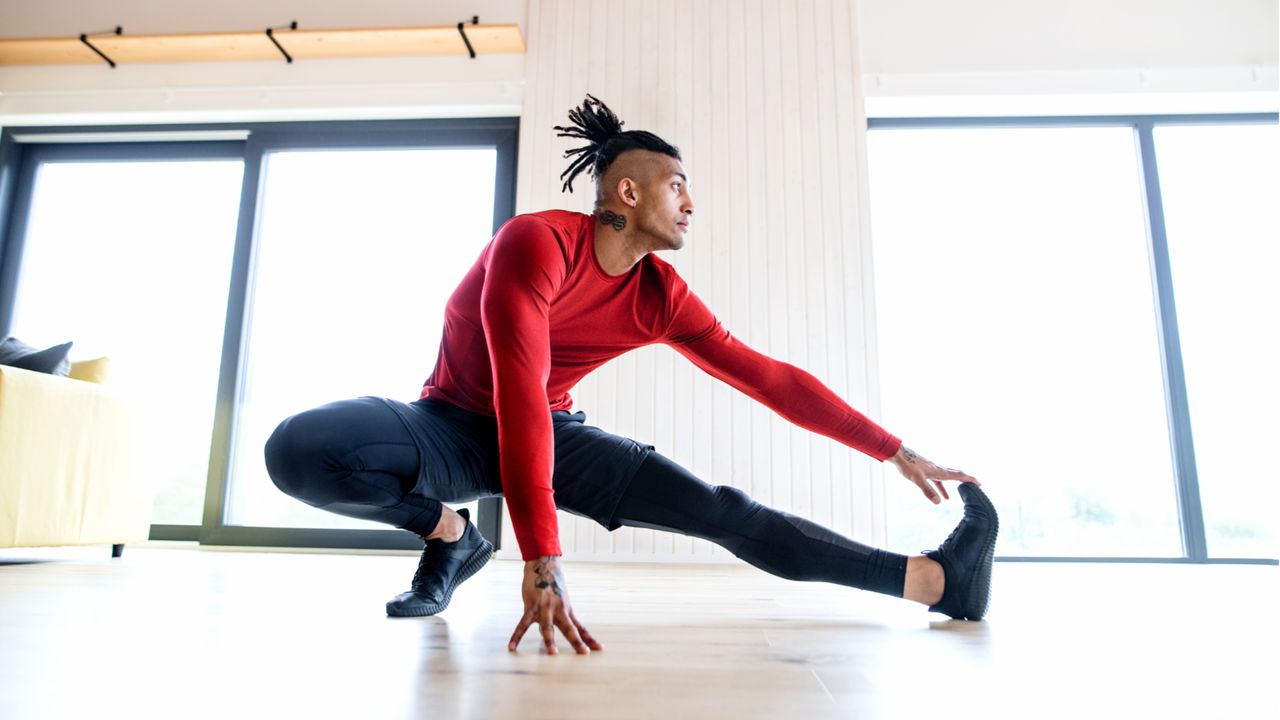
x=943 y=36
x=762 y=98
x=939 y=57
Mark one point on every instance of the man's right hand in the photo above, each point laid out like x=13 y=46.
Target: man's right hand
x=546 y=602
x=927 y=475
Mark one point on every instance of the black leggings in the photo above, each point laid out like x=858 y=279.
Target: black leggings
x=354 y=458
x=357 y=458
x=665 y=496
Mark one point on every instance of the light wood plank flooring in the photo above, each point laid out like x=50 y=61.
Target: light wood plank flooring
x=175 y=631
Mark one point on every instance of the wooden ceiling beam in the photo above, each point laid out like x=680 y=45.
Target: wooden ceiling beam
x=301 y=44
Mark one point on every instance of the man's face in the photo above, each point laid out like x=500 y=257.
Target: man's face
x=664 y=205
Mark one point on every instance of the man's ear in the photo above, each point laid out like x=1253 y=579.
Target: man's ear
x=627 y=188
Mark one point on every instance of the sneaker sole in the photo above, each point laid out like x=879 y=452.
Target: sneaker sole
x=981 y=580
x=473 y=564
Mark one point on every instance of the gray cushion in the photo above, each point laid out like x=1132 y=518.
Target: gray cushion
x=54 y=360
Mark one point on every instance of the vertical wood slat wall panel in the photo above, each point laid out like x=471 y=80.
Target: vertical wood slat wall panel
x=689 y=447
x=774 y=167
x=758 y=266
x=764 y=100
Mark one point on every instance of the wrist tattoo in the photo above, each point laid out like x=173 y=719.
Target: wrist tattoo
x=911 y=456
x=546 y=578
x=609 y=217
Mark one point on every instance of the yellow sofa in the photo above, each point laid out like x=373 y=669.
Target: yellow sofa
x=68 y=461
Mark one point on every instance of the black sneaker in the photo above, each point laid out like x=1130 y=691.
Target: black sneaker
x=442 y=568
x=966 y=558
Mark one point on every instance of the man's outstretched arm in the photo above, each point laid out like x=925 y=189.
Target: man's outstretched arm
x=524 y=270
x=795 y=394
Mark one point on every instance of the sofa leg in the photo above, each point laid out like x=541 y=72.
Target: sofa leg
x=117 y=550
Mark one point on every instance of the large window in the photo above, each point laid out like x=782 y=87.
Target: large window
x=131 y=259
x=240 y=278
x=1020 y=268
x=358 y=251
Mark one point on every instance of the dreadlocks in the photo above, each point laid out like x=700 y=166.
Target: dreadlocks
x=596 y=123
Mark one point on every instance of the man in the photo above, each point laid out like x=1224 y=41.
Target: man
x=555 y=295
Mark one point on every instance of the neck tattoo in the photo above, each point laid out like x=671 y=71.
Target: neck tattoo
x=614 y=220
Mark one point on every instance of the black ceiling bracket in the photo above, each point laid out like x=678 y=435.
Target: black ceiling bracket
x=475 y=20
x=271 y=36
x=84 y=38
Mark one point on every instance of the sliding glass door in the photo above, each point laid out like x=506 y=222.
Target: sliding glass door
x=357 y=253
x=127 y=253
x=237 y=274
x=1079 y=312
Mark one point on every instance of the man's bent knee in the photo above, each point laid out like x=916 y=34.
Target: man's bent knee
x=293 y=456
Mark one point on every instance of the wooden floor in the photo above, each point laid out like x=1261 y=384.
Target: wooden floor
x=174 y=631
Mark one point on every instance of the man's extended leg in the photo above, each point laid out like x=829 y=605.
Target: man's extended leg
x=665 y=496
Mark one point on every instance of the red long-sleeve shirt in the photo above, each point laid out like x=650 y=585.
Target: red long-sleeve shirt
x=537 y=312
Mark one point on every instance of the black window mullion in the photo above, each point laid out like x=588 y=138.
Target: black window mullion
x=17 y=181
x=1178 y=412
x=230 y=367
x=1190 y=506
x=1178 y=409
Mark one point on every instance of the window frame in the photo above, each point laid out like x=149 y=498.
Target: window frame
x=24 y=149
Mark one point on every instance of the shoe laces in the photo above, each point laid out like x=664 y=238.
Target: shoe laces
x=954 y=532
x=424 y=562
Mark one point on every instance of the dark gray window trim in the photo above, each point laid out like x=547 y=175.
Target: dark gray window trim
x=1187 y=484
x=18 y=161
